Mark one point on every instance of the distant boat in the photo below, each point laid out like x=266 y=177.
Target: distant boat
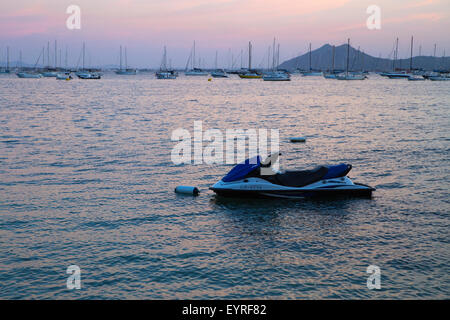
x=49 y=74
x=6 y=70
x=194 y=71
x=346 y=75
x=439 y=78
x=48 y=71
x=29 y=75
x=219 y=73
x=311 y=72
x=87 y=74
x=332 y=73
x=249 y=73
x=416 y=78
x=163 y=72
x=64 y=76
x=394 y=74
x=277 y=76
x=127 y=71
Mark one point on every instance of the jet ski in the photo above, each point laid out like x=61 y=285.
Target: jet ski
x=255 y=178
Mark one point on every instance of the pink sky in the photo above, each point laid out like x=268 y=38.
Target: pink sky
x=145 y=26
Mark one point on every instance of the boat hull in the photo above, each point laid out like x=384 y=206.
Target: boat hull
x=25 y=75
x=245 y=76
x=360 y=190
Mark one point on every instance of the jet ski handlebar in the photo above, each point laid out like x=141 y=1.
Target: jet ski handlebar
x=271 y=159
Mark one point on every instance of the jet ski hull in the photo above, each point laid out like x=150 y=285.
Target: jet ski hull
x=261 y=189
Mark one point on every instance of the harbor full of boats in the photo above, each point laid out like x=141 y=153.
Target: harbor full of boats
x=272 y=71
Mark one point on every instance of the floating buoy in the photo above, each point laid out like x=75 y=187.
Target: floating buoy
x=297 y=139
x=187 y=190
x=209 y=79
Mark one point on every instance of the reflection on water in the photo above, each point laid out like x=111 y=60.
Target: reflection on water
x=86 y=179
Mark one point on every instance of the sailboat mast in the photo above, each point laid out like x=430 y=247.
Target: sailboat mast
x=65 y=60
x=193 y=60
x=242 y=58
x=249 y=55
x=215 y=62
x=278 y=56
x=126 y=59
x=410 y=61
x=332 y=61
x=48 y=53
x=273 y=58
x=310 y=57
x=348 y=53
x=120 y=63
x=84 y=49
x=56 y=55
x=7 y=58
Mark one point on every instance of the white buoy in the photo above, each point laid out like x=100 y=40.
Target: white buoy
x=187 y=190
x=298 y=139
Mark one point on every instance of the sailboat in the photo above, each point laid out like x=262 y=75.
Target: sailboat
x=218 y=73
x=86 y=74
x=27 y=74
x=275 y=74
x=311 y=72
x=413 y=76
x=331 y=74
x=194 y=71
x=394 y=74
x=127 y=71
x=349 y=76
x=250 y=74
x=49 y=72
x=163 y=72
x=6 y=70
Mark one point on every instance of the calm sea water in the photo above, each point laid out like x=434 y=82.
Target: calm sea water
x=86 y=178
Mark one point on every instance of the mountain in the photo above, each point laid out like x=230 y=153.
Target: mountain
x=321 y=59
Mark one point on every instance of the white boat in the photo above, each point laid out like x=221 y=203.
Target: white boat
x=29 y=75
x=127 y=71
x=439 y=78
x=64 y=76
x=311 y=72
x=166 y=75
x=350 y=76
x=276 y=76
x=219 y=73
x=49 y=74
x=347 y=75
x=163 y=72
x=416 y=78
x=194 y=71
x=88 y=75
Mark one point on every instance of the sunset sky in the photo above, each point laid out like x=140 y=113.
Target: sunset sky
x=145 y=26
